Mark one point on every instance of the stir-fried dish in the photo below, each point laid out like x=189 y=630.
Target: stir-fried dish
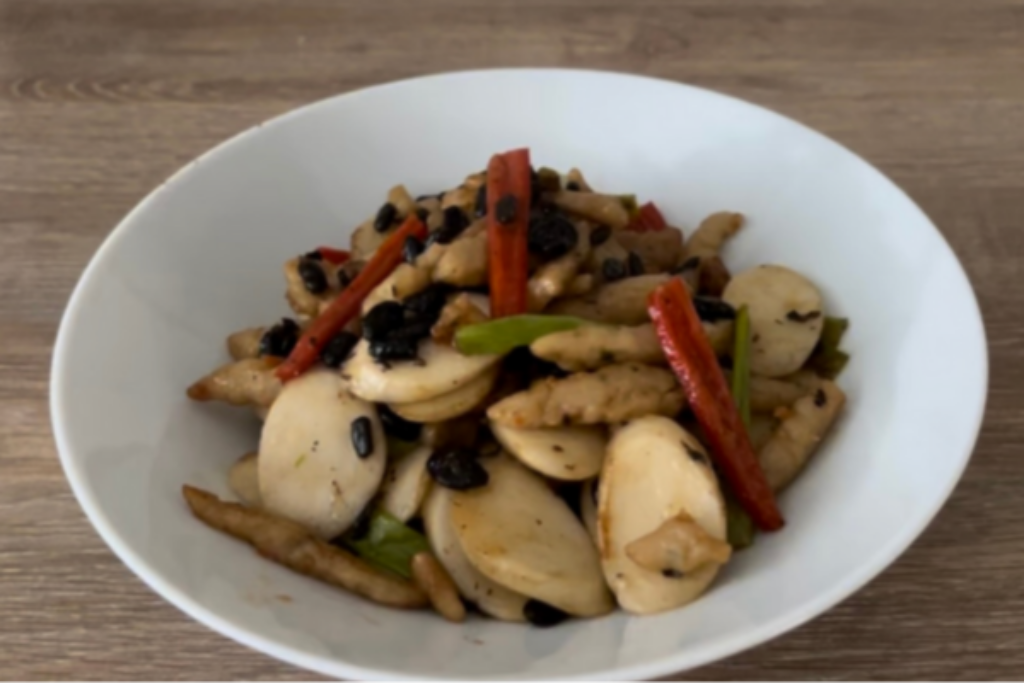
x=527 y=396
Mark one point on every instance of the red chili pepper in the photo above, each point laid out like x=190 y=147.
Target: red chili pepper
x=335 y=256
x=649 y=219
x=508 y=184
x=346 y=305
x=692 y=359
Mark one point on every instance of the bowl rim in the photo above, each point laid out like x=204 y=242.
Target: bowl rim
x=726 y=646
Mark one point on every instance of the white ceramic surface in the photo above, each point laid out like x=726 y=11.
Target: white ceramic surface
x=201 y=257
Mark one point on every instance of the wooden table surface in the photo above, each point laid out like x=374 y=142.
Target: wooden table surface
x=101 y=100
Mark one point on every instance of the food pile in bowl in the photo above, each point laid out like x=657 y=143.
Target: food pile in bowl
x=528 y=397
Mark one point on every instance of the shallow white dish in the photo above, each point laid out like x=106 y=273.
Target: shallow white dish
x=152 y=310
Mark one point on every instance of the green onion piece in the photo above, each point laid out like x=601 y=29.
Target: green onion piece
x=828 y=360
x=549 y=179
x=630 y=203
x=739 y=527
x=504 y=334
x=389 y=544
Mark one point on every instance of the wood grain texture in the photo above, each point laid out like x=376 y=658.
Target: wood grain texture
x=101 y=100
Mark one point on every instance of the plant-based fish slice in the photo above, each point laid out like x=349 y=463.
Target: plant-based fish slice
x=492 y=598
x=322 y=454
x=519 y=533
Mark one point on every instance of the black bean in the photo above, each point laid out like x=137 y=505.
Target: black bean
x=344 y=278
x=313 y=277
x=455 y=221
x=280 y=339
x=798 y=317
x=397 y=426
x=338 y=349
x=820 y=399
x=394 y=349
x=382 y=319
x=505 y=209
x=542 y=614
x=551 y=236
x=415 y=329
x=481 y=201
x=422 y=214
x=411 y=249
x=573 y=186
x=427 y=303
x=689 y=264
x=600 y=235
x=712 y=310
x=457 y=469
x=634 y=264
x=314 y=255
x=362 y=437
x=613 y=269
x=386 y=216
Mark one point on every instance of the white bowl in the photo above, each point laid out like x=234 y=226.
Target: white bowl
x=201 y=257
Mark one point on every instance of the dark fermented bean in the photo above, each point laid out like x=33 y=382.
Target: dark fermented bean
x=362 y=437
x=551 y=236
x=712 y=310
x=457 y=469
x=455 y=221
x=385 y=217
x=394 y=349
x=338 y=349
x=428 y=303
x=411 y=249
x=280 y=339
x=313 y=277
x=382 y=319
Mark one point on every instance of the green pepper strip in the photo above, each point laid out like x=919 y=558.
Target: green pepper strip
x=739 y=527
x=388 y=544
x=828 y=360
x=497 y=337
